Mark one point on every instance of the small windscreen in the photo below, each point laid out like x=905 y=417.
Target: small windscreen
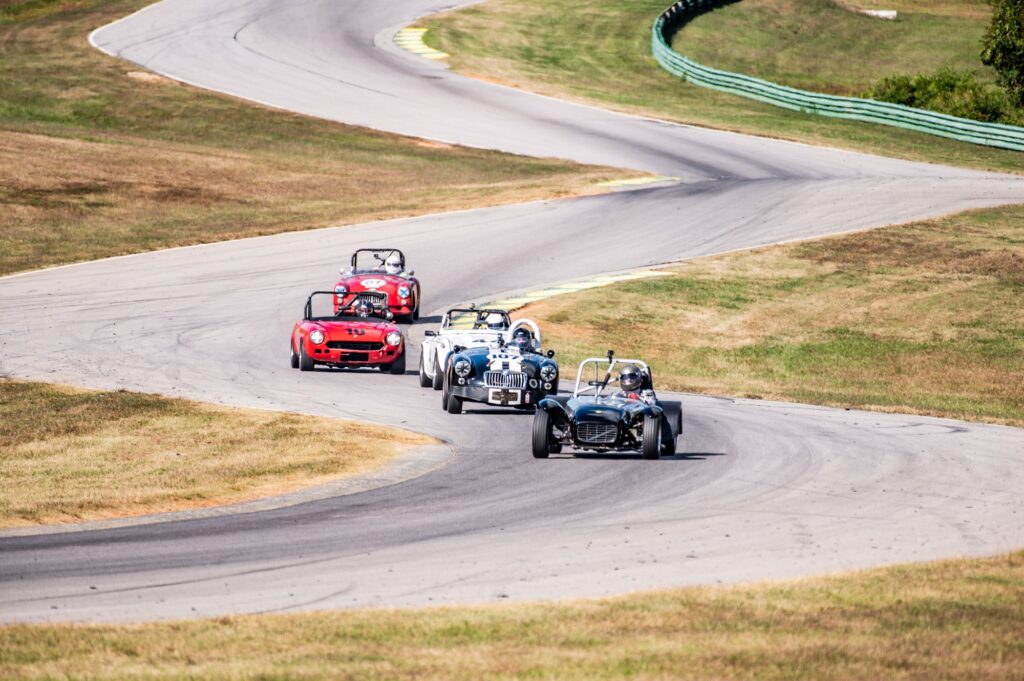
x=326 y=305
x=373 y=260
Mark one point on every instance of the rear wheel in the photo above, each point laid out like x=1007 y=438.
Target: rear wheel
x=542 y=434
x=668 y=437
x=305 y=361
x=398 y=366
x=424 y=379
x=652 y=437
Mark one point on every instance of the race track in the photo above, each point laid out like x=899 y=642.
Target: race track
x=760 y=490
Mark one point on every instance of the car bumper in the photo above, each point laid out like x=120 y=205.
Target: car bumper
x=355 y=357
x=499 y=397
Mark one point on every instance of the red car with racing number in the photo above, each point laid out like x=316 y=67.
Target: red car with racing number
x=358 y=332
x=382 y=269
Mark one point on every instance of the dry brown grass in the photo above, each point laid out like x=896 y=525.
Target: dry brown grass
x=951 y=620
x=71 y=454
x=923 y=318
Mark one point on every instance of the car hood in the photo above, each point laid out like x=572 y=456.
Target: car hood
x=372 y=282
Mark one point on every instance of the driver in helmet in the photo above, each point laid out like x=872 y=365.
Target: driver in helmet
x=522 y=340
x=393 y=264
x=363 y=309
x=492 y=321
x=631 y=380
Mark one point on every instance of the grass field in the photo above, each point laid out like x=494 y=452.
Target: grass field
x=923 y=318
x=600 y=52
x=951 y=620
x=98 y=159
x=68 y=454
x=818 y=45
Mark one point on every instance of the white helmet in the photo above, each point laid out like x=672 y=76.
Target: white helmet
x=495 y=321
x=393 y=265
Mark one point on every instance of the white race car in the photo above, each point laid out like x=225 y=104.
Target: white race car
x=465 y=327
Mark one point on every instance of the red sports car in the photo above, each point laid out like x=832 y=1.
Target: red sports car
x=382 y=269
x=358 y=333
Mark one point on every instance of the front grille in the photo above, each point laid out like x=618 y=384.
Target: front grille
x=354 y=345
x=504 y=379
x=597 y=432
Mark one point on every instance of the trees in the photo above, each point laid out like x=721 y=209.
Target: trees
x=1003 y=45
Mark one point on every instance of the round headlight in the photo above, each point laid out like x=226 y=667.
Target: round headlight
x=403 y=291
x=316 y=337
x=393 y=338
x=340 y=289
x=463 y=367
x=548 y=372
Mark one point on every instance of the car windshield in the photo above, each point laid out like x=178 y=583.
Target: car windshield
x=599 y=377
x=328 y=306
x=473 y=319
x=372 y=260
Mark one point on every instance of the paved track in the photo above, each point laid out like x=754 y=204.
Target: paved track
x=761 y=490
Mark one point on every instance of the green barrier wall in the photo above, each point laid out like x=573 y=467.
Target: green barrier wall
x=989 y=134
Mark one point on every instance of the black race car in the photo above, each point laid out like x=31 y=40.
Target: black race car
x=511 y=372
x=600 y=420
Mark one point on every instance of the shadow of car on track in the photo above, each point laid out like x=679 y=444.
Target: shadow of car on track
x=634 y=456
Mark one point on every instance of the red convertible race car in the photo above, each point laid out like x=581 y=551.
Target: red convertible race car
x=382 y=269
x=357 y=333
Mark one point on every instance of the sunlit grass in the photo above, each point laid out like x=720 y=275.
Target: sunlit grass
x=951 y=620
x=923 y=317
x=68 y=454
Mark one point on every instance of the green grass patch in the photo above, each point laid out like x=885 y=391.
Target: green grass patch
x=923 y=317
x=69 y=454
x=600 y=52
x=98 y=158
x=953 y=619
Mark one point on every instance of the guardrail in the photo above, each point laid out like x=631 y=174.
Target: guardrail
x=868 y=110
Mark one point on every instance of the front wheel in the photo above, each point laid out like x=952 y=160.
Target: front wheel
x=424 y=379
x=294 y=358
x=305 y=361
x=438 y=380
x=454 y=404
x=398 y=366
x=542 y=430
x=652 y=437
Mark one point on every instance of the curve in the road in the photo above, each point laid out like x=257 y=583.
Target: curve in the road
x=761 y=490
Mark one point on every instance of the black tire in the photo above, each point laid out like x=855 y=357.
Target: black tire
x=294 y=358
x=454 y=405
x=424 y=379
x=416 y=310
x=305 y=361
x=438 y=379
x=541 y=434
x=652 y=437
x=398 y=366
x=444 y=395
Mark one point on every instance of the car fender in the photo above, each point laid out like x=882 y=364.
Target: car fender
x=673 y=411
x=555 y=406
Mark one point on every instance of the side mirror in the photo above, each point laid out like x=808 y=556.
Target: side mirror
x=430 y=333
x=412 y=273
x=389 y=315
x=341 y=271
x=457 y=349
x=551 y=353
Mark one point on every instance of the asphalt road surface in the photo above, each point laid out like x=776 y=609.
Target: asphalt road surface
x=760 y=490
